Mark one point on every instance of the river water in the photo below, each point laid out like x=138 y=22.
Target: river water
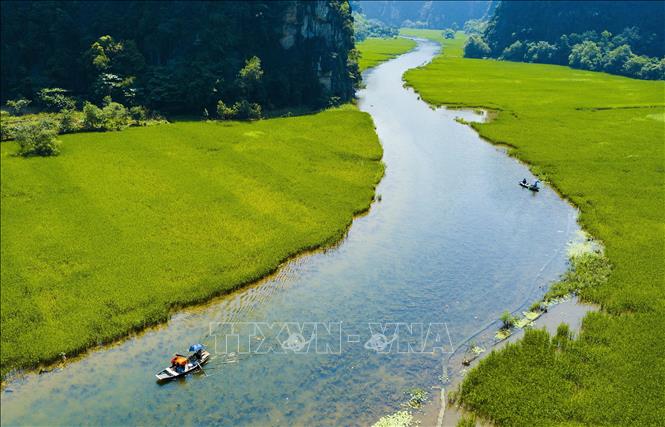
x=342 y=333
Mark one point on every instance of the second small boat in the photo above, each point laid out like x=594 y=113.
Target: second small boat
x=532 y=187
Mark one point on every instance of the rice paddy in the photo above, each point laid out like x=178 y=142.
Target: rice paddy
x=373 y=50
x=124 y=227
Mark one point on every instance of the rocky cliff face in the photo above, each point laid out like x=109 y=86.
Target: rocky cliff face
x=324 y=30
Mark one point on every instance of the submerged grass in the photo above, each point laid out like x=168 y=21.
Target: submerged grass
x=373 y=50
x=599 y=140
x=123 y=227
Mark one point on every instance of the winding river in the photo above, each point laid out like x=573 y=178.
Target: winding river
x=452 y=242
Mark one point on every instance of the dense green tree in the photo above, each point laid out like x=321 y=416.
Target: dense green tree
x=476 y=47
x=55 y=99
x=514 y=52
x=177 y=56
x=600 y=36
x=19 y=106
x=615 y=59
x=250 y=79
x=540 y=52
x=364 y=27
x=549 y=20
x=475 y=26
x=586 y=55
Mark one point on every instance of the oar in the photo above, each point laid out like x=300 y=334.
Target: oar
x=201 y=368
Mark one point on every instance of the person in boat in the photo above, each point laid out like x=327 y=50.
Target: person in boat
x=178 y=362
x=524 y=181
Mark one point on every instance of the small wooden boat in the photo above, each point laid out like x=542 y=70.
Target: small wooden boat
x=532 y=187
x=194 y=363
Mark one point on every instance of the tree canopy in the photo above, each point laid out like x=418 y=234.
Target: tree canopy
x=179 y=57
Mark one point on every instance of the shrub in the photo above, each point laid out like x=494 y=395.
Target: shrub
x=55 y=99
x=225 y=112
x=247 y=110
x=5 y=131
x=448 y=33
x=67 y=122
x=138 y=114
x=514 y=52
x=241 y=110
x=115 y=116
x=18 y=106
x=93 y=118
x=37 y=139
x=476 y=47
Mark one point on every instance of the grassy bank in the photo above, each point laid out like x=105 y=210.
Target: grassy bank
x=373 y=51
x=598 y=139
x=123 y=227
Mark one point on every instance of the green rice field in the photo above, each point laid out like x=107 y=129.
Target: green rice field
x=599 y=140
x=124 y=227
x=373 y=50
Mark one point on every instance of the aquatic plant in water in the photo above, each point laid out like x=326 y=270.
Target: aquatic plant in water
x=398 y=419
x=418 y=396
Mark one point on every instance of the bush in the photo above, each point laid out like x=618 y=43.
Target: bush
x=115 y=116
x=38 y=139
x=476 y=47
x=93 y=118
x=514 y=52
x=138 y=114
x=247 y=110
x=5 y=132
x=67 y=122
x=241 y=110
x=18 y=106
x=225 y=112
x=55 y=99
x=448 y=33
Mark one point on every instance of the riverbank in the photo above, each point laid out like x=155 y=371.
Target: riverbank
x=124 y=228
x=597 y=139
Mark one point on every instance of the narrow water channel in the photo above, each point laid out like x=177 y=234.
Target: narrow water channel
x=452 y=243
